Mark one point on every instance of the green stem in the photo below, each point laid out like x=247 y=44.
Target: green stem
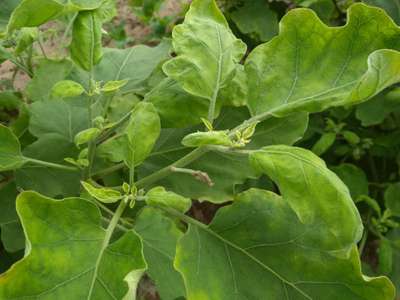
x=107 y=238
x=40 y=43
x=109 y=170
x=68 y=29
x=192 y=156
x=363 y=242
x=50 y=165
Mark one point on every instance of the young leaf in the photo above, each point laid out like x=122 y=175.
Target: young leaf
x=102 y=194
x=70 y=251
x=138 y=139
x=301 y=242
x=324 y=143
x=198 y=139
x=67 y=88
x=159 y=252
x=207 y=51
x=86 y=136
x=346 y=68
x=26 y=37
x=114 y=85
x=158 y=196
x=10 y=150
x=86 y=49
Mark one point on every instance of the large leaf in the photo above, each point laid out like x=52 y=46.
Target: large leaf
x=68 y=255
x=12 y=235
x=6 y=8
x=160 y=235
x=298 y=246
x=48 y=181
x=57 y=117
x=10 y=150
x=86 y=49
x=133 y=64
x=207 y=51
x=47 y=74
x=311 y=66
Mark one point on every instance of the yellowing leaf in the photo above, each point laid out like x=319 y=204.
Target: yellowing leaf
x=68 y=256
x=102 y=194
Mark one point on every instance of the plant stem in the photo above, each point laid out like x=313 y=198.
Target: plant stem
x=68 y=29
x=192 y=156
x=40 y=43
x=107 y=238
x=50 y=165
x=21 y=66
x=363 y=242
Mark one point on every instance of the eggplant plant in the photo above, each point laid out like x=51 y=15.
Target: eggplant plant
x=110 y=146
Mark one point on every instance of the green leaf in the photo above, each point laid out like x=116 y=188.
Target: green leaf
x=324 y=143
x=68 y=255
x=390 y=6
x=158 y=196
x=10 y=150
x=354 y=178
x=133 y=64
x=67 y=88
x=6 y=8
x=48 y=181
x=47 y=74
x=160 y=235
x=300 y=174
x=394 y=237
x=346 y=68
x=375 y=111
x=256 y=19
x=86 y=136
x=115 y=85
x=138 y=138
x=198 y=139
x=297 y=250
x=86 y=47
x=57 y=117
x=33 y=13
x=385 y=254
x=12 y=235
x=176 y=107
x=207 y=51
x=102 y=194
x=392 y=198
